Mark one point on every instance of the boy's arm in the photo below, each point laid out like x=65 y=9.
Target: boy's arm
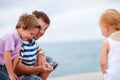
x=8 y=64
x=104 y=56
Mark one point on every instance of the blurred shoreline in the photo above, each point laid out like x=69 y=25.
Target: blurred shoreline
x=81 y=76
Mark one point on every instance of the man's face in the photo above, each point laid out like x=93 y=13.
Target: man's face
x=42 y=30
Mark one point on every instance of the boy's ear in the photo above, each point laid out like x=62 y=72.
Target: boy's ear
x=23 y=26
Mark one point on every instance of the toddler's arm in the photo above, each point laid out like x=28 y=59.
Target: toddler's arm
x=104 y=56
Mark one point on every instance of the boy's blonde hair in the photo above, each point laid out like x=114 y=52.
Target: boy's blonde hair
x=29 y=21
x=111 y=17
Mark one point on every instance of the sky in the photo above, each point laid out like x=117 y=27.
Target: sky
x=71 y=20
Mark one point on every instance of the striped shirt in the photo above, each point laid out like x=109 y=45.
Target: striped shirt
x=29 y=52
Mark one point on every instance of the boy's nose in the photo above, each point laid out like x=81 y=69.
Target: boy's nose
x=31 y=37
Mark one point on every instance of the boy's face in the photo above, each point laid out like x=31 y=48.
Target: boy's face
x=28 y=34
x=42 y=30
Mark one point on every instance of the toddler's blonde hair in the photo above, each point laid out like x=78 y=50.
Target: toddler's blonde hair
x=111 y=17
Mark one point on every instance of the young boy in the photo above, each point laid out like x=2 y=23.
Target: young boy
x=10 y=44
x=30 y=49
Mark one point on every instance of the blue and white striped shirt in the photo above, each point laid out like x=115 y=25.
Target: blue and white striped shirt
x=29 y=52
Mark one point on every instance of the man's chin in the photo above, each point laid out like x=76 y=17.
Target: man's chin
x=36 y=38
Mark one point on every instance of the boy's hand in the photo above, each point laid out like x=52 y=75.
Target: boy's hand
x=13 y=77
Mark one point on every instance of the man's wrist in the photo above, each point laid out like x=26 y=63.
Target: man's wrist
x=42 y=53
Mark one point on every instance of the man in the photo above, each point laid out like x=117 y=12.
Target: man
x=22 y=69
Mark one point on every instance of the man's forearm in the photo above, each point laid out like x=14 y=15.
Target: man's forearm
x=22 y=69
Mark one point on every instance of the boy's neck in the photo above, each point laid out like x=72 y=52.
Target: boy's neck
x=30 y=41
x=19 y=32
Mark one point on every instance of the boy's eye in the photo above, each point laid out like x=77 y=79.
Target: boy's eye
x=31 y=34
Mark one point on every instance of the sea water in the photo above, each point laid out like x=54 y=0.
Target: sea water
x=74 y=57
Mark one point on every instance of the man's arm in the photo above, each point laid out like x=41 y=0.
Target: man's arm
x=22 y=69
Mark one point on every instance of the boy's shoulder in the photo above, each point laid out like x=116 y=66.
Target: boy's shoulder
x=12 y=33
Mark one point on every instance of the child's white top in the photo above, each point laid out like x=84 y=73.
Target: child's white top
x=113 y=71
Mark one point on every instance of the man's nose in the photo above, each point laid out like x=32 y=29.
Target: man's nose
x=42 y=32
